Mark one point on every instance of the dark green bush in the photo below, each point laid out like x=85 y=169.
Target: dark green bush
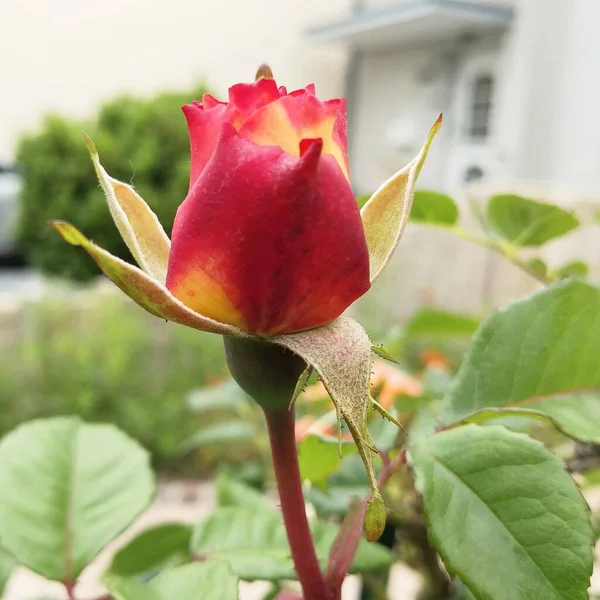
x=99 y=356
x=142 y=141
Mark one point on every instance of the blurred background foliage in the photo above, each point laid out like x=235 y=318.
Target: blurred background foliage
x=97 y=355
x=60 y=183
x=94 y=353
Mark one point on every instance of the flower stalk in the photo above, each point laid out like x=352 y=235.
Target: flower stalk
x=280 y=424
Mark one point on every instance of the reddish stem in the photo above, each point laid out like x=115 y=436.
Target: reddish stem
x=287 y=474
x=70 y=587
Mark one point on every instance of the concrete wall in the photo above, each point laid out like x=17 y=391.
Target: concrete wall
x=68 y=55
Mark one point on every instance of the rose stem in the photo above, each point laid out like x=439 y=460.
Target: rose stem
x=287 y=473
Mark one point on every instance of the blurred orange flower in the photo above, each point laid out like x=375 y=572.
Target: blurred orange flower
x=435 y=359
x=388 y=381
x=392 y=382
x=302 y=426
x=314 y=393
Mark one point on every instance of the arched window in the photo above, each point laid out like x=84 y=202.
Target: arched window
x=479 y=123
x=473 y=173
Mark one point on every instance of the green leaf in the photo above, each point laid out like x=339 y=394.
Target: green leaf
x=462 y=592
x=433 y=322
x=512 y=418
x=576 y=268
x=545 y=345
x=362 y=200
x=129 y=589
x=252 y=541
x=211 y=580
x=7 y=564
x=478 y=212
x=538 y=267
x=434 y=208
x=165 y=544
x=384 y=432
x=226 y=395
x=591 y=478
x=234 y=493
x=425 y=422
x=225 y=431
x=346 y=485
x=410 y=404
x=577 y=414
x=319 y=457
x=504 y=514
x=436 y=382
x=255 y=544
x=68 y=489
x=527 y=222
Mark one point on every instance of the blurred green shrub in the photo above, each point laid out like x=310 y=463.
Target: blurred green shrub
x=99 y=356
x=142 y=141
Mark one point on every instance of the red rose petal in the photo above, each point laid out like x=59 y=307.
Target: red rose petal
x=267 y=241
x=204 y=128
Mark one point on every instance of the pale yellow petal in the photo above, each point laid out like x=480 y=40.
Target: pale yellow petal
x=138 y=225
x=386 y=213
x=143 y=289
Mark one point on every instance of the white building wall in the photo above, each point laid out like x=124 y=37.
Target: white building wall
x=545 y=132
x=551 y=95
x=576 y=158
x=68 y=55
x=380 y=3
x=401 y=94
x=430 y=266
x=536 y=56
x=550 y=134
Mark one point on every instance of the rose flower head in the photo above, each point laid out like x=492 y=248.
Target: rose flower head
x=269 y=247
x=269 y=238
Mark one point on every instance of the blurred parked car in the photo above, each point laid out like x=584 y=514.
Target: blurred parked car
x=10 y=186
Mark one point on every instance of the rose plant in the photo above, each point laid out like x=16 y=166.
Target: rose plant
x=268 y=249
